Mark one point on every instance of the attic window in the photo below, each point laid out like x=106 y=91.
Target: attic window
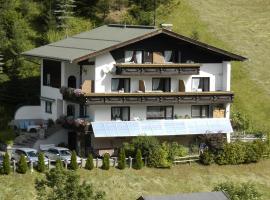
x=133 y=57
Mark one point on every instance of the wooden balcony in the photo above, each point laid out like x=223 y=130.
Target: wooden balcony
x=159 y=98
x=133 y=69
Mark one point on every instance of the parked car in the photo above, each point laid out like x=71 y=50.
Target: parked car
x=61 y=153
x=30 y=154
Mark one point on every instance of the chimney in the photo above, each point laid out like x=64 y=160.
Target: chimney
x=167 y=26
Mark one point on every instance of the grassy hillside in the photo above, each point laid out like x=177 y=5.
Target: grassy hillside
x=130 y=184
x=239 y=26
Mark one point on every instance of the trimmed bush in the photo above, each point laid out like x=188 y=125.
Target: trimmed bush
x=106 y=161
x=207 y=157
x=138 y=161
x=89 y=162
x=243 y=191
x=41 y=163
x=6 y=165
x=73 y=161
x=122 y=159
x=22 y=165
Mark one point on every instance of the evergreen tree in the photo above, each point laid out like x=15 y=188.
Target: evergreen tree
x=138 y=161
x=103 y=6
x=41 y=163
x=73 y=161
x=63 y=12
x=89 y=162
x=59 y=165
x=22 y=165
x=122 y=159
x=106 y=161
x=6 y=164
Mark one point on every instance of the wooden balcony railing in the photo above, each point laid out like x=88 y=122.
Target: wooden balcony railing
x=157 y=69
x=159 y=98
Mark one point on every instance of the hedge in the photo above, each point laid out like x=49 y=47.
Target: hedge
x=235 y=153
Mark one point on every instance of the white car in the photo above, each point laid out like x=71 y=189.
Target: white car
x=64 y=154
x=30 y=154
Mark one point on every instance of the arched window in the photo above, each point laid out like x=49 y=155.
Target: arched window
x=72 y=82
x=71 y=110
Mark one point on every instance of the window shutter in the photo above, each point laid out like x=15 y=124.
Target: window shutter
x=182 y=87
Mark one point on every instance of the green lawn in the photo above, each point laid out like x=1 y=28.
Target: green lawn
x=239 y=26
x=129 y=183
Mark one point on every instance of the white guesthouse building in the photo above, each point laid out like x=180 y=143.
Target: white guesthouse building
x=134 y=80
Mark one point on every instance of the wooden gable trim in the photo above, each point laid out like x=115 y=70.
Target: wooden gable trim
x=169 y=33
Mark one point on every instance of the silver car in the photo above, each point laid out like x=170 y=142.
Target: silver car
x=30 y=154
x=64 y=154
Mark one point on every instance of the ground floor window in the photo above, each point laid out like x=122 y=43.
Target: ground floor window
x=159 y=112
x=200 y=111
x=120 y=113
x=48 y=107
x=71 y=110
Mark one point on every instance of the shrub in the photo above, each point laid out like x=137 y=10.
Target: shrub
x=129 y=149
x=138 y=161
x=207 y=157
x=22 y=165
x=6 y=165
x=41 y=163
x=63 y=184
x=106 y=161
x=177 y=150
x=89 y=162
x=232 y=153
x=122 y=159
x=194 y=149
x=73 y=161
x=243 y=191
x=240 y=122
x=158 y=157
x=145 y=144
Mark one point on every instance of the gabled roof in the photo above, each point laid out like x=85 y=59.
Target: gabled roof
x=191 y=196
x=107 y=38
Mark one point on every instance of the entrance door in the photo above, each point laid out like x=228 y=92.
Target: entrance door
x=72 y=140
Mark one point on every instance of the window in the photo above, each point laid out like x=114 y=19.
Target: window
x=200 y=84
x=200 y=111
x=52 y=73
x=72 y=82
x=120 y=113
x=48 y=107
x=71 y=110
x=169 y=56
x=48 y=79
x=120 y=84
x=82 y=110
x=159 y=112
x=179 y=58
x=162 y=84
x=147 y=57
x=53 y=151
x=133 y=56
